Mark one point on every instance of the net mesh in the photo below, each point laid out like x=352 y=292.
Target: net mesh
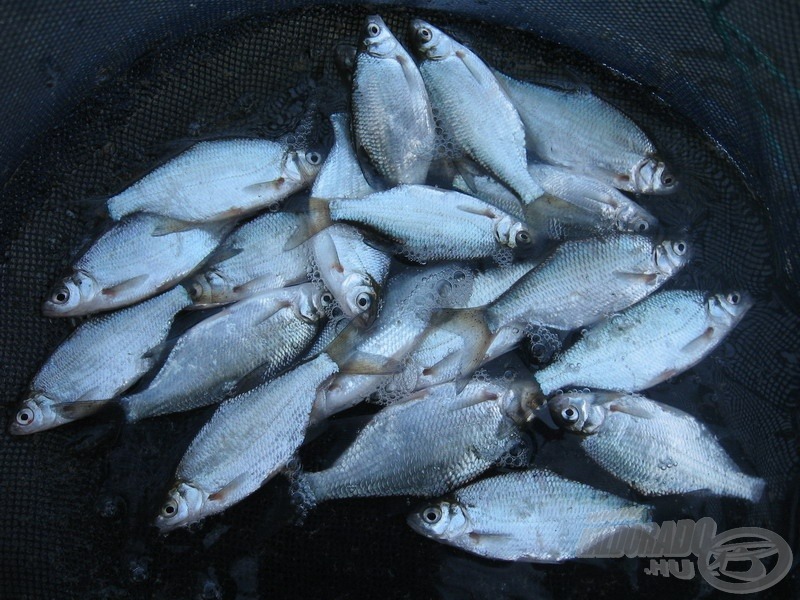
x=99 y=97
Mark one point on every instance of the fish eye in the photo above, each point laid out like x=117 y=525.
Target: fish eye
x=25 y=416
x=680 y=248
x=373 y=30
x=363 y=300
x=667 y=178
x=425 y=34
x=196 y=291
x=459 y=276
x=641 y=226
x=523 y=238
x=432 y=514
x=313 y=158
x=734 y=297
x=570 y=414
x=169 y=509
x=326 y=298
x=61 y=296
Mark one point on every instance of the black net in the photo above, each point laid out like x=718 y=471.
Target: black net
x=97 y=95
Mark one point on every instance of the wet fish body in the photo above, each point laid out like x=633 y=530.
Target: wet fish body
x=648 y=343
x=218 y=180
x=89 y=368
x=654 y=448
x=530 y=516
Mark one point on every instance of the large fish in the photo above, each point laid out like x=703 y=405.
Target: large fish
x=428 y=444
x=252 y=259
x=267 y=331
x=473 y=109
x=648 y=343
x=101 y=359
x=531 y=516
x=392 y=117
x=219 y=180
x=650 y=446
x=583 y=281
x=248 y=439
x=578 y=130
x=137 y=258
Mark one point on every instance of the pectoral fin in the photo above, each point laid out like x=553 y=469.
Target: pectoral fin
x=125 y=286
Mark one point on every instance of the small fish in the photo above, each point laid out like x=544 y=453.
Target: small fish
x=267 y=331
x=137 y=258
x=248 y=439
x=426 y=445
x=428 y=224
x=654 y=448
x=493 y=282
x=583 y=281
x=530 y=516
x=252 y=259
x=392 y=117
x=648 y=343
x=577 y=130
x=220 y=179
x=473 y=109
x=101 y=359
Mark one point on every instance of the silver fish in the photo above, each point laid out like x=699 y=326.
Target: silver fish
x=492 y=191
x=473 y=109
x=648 y=343
x=579 y=131
x=248 y=439
x=652 y=447
x=220 y=179
x=426 y=445
x=583 y=281
x=90 y=367
x=137 y=258
x=493 y=282
x=587 y=204
x=531 y=516
x=267 y=331
x=392 y=117
x=369 y=358
x=252 y=259
x=427 y=223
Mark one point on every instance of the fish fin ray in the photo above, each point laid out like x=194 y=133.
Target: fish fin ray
x=129 y=284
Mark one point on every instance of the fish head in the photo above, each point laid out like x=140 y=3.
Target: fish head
x=651 y=176
x=208 y=289
x=441 y=520
x=577 y=412
x=313 y=303
x=377 y=39
x=184 y=505
x=521 y=400
x=360 y=300
x=37 y=413
x=631 y=218
x=303 y=165
x=430 y=42
x=671 y=255
x=728 y=309
x=72 y=294
x=513 y=233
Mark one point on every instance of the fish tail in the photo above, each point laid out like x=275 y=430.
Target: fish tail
x=755 y=488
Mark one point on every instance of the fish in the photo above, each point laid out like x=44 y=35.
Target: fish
x=490 y=190
x=248 y=439
x=583 y=281
x=134 y=260
x=424 y=223
x=369 y=358
x=492 y=282
x=267 y=331
x=530 y=516
x=89 y=369
x=648 y=343
x=392 y=117
x=252 y=259
x=426 y=445
x=352 y=269
x=472 y=108
x=575 y=129
x=654 y=448
x=219 y=180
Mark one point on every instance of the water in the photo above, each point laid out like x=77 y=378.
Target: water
x=99 y=484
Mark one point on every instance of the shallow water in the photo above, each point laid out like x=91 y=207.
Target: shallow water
x=93 y=487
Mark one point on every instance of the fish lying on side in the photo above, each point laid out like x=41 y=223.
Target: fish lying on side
x=531 y=516
x=654 y=448
x=101 y=359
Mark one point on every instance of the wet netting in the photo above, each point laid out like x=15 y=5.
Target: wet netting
x=97 y=94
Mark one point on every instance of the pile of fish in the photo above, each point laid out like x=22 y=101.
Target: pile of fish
x=457 y=213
